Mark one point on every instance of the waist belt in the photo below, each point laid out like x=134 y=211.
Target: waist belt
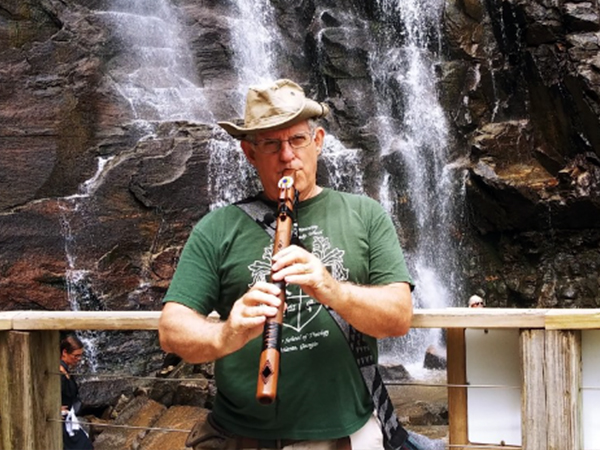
x=249 y=443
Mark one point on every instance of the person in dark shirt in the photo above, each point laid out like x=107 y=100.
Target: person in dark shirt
x=74 y=437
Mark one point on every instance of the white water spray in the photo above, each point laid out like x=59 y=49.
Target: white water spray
x=78 y=283
x=420 y=142
x=231 y=177
x=155 y=71
x=254 y=39
x=343 y=166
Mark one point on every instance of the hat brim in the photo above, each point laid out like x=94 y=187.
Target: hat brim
x=311 y=110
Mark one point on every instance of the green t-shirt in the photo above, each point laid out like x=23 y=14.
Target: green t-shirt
x=321 y=394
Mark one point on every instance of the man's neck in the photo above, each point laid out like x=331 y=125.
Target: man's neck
x=316 y=190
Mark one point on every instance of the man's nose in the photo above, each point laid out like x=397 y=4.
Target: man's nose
x=286 y=153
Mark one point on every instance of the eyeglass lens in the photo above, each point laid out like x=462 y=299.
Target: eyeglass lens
x=297 y=141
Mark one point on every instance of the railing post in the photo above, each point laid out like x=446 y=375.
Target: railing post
x=551 y=399
x=563 y=392
x=534 y=410
x=457 y=396
x=30 y=390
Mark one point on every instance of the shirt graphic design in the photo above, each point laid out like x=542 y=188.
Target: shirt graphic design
x=301 y=308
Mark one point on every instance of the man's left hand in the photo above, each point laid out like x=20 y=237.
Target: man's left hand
x=295 y=265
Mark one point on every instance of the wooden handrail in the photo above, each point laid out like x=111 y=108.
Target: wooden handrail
x=551 y=319
x=549 y=347
x=80 y=320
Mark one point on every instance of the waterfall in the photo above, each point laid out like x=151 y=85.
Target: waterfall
x=417 y=135
x=343 y=166
x=231 y=177
x=254 y=44
x=154 y=71
x=154 y=74
x=79 y=292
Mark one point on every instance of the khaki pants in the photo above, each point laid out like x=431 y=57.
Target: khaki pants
x=207 y=435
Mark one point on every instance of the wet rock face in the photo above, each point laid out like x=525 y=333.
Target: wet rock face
x=519 y=83
x=532 y=186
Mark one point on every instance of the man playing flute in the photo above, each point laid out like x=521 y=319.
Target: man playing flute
x=346 y=262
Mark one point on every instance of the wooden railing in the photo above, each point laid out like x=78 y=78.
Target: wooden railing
x=550 y=357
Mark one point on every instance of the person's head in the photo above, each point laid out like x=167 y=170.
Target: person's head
x=280 y=133
x=71 y=350
x=476 y=302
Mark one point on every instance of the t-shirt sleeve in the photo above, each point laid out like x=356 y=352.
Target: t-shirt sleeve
x=386 y=259
x=195 y=283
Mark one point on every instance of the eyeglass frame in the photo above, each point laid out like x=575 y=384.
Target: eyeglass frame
x=312 y=133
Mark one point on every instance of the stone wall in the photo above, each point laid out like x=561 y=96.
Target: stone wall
x=519 y=83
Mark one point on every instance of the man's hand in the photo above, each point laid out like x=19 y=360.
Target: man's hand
x=249 y=314
x=198 y=339
x=298 y=266
x=379 y=311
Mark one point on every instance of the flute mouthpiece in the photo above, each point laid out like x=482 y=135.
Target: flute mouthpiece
x=285 y=182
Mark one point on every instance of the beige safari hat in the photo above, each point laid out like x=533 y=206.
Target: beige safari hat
x=273 y=107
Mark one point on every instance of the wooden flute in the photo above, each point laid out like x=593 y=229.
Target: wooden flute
x=268 y=374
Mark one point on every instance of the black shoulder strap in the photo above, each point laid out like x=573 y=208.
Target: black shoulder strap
x=262 y=213
x=394 y=434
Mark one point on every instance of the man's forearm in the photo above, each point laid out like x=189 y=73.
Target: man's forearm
x=378 y=311
x=190 y=335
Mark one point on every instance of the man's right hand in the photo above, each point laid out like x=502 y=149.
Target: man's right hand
x=249 y=314
x=198 y=339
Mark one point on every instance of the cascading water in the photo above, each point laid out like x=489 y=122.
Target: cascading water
x=254 y=38
x=343 y=166
x=231 y=178
x=153 y=74
x=79 y=292
x=418 y=134
x=154 y=71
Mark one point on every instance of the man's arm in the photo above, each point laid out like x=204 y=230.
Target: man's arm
x=197 y=339
x=378 y=311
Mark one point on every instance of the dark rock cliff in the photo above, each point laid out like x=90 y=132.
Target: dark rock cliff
x=522 y=85
x=519 y=82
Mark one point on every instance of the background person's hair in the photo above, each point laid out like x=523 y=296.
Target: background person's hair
x=70 y=343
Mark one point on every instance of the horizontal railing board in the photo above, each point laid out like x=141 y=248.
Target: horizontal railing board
x=423 y=318
x=573 y=319
x=6 y=319
x=478 y=318
x=86 y=320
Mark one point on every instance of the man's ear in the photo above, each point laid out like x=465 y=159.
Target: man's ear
x=248 y=151
x=319 y=139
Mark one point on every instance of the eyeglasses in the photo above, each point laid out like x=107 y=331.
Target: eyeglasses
x=270 y=146
x=77 y=355
x=476 y=304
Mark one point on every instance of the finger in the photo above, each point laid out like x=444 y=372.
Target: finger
x=293 y=269
x=304 y=268
x=263 y=293
x=267 y=288
x=290 y=249
x=289 y=256
x=261 y=310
